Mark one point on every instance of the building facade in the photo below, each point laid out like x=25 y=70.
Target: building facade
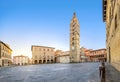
x=5 y=54
x=98 y=55
x=83 y=57
x=65 y=57
x=42 y=54
x=86 y=55
x=57 y=56
x=74 y=40
x=20 y=60
x=90 y=55
x=111 y=15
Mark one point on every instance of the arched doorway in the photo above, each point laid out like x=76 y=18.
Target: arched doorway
x=48 y=61
x=44 y=61
x=2 y=62
x=35 y=61
x=40 y=61
x=51 y=61
x=8 y=63
x=18 y=63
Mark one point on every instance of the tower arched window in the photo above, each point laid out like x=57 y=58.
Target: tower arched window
x=73 y=33
x=72 y=43
x=72 y=29
x=73 y=24
x=73 y=38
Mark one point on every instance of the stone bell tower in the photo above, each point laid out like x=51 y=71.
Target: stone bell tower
x=74 y=40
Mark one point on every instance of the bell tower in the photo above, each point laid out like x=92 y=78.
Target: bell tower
x=74 y=40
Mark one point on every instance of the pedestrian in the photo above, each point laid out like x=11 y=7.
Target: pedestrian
x=102 y=71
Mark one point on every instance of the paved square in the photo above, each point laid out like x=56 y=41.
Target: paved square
x=77 y=72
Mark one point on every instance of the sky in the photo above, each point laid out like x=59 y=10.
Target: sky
x=47 y=23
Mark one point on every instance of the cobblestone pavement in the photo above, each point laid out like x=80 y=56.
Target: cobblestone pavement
x=77 y=72
x=112 y=75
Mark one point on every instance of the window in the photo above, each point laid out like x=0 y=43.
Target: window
x=35 y=48
x=73 y=33
x=73 y=24
x=114 y=2
x=72 y=29
x=3 y=47
x=3 y=54
x=115 y=22
x=73 y=38
x=119 y=12
x=110 y=15
x=51 y=57
x=102 y=51
x=40 y=57
x=72 y=43
x=35 y=56
x=51 y=49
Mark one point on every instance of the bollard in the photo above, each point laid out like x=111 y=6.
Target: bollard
x=102 y=72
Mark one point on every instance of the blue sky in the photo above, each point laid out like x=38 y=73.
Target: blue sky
x=46 y=22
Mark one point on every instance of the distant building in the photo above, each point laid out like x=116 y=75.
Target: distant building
x=65 y=57
x=62 y=56
x=57 y=56
x=30 y=61
x=111 y=17
x=83 y=57
x=5 y=54
x=90 y=55
x=86 y=55
x=21 y=60
x=42 y=54
x=97 y=55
